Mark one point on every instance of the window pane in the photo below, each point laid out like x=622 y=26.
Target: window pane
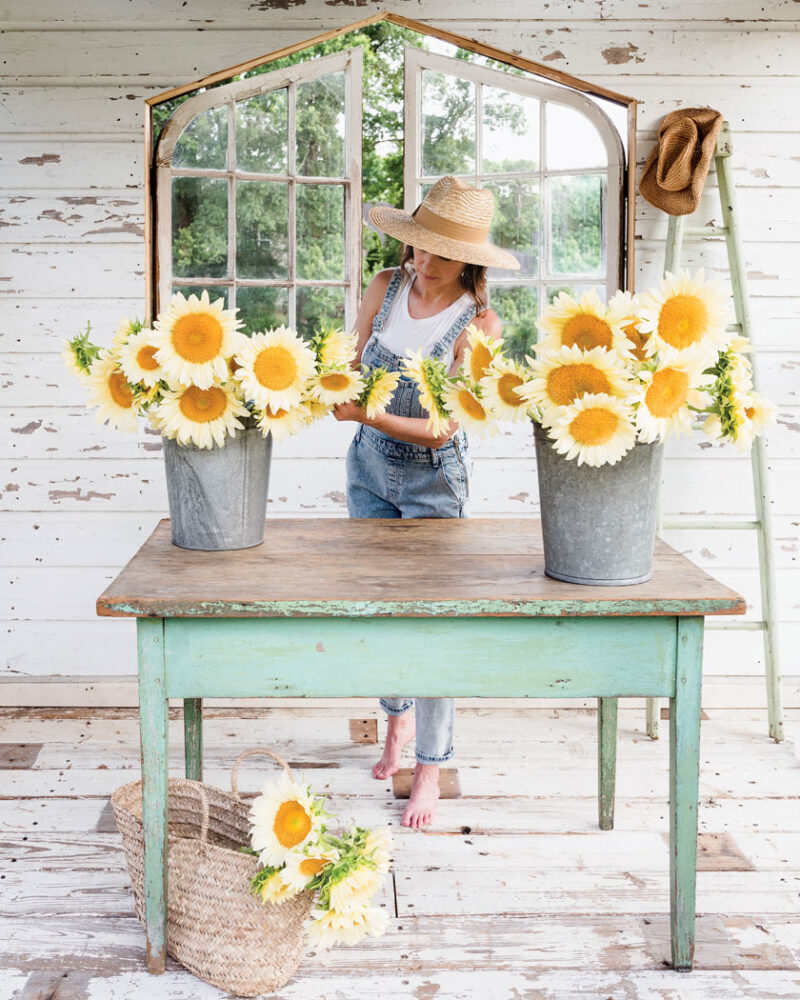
x=261 y=130
x=262 y=240
x=575 y=291
x=214 y=292
x=199 y=227
x=517 y=308
x=320 y=231
x=516 y=224
x=204 y=141
x=320 y=127
x=510 y=131
x=448 y=125
x=319 y=305
x=262 y=308
x=577 y=229
x=572 y=140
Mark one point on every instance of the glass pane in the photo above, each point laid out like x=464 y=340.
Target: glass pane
x=214 y=291
x=517 y=308
x=262 y=308
x=576 y=224
x=204 y=141
x=575 y=291
x=572 y=140
x=199 y=227
x=320 y=127
x=262 y=240
x=510 y=131
x=516 y=224
x=261 y=131
x=448 y=125
x=320 y=231
x=318 y=305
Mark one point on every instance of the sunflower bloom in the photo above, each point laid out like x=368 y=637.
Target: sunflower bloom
x=685 y=316
x=595 y=429
x=137 y=358
x=628 y=305
x=202 y=417
x=301 y=868
x=502 y=386
x=194 y=338
x=333 y=347
x=283 y=820
x=110 y=393
x=664 y=398
x=466 y=406
x=561 y=377
x=379 y=387
x=336 y=385
x=585 y=324
x=327 y=928
x=281 y=423
x=481 y=351
x=431 y=379
x=275 y=368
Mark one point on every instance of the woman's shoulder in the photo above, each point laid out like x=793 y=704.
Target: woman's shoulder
x=376 y=290
x=488 y=322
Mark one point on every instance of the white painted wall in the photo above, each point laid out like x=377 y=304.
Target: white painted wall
x=77 y=499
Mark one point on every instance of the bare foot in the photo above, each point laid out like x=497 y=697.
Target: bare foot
x=401 y=731
x=421 y=808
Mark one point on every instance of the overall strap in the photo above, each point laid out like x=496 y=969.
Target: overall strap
x=380 y=319
x=449 y=338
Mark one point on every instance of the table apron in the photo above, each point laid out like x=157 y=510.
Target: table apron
x=536 y=657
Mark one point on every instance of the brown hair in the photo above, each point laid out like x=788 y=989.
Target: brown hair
x=472 y=278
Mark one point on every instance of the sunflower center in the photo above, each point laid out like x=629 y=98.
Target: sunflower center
x=277 y=415
x=120 y=391
x=479 y=361
x=275 y=368
x=197 y=337
x=749 y=412
x=146 y=358
x=471 y=405
x=570 y=382
x=312 y=865
x=594 y=426
x=506 y=385
x=586 y=331
x=334 y=381
x=638 y=340
x=667 y=392
x=683 y=321
x=292 y=824
x=203 y=405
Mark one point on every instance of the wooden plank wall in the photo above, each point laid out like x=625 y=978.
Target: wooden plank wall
x=77 y=498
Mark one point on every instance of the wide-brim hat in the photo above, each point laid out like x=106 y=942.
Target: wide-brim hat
x=676 y=170
x=452 y=221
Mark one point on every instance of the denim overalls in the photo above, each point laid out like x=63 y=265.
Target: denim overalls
x=391 y=478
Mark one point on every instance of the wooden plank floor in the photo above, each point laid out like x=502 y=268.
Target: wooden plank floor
x=514 y=893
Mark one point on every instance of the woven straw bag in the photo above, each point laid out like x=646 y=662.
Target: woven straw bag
x=215 y=927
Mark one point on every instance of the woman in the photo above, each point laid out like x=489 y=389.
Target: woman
x=395 y=466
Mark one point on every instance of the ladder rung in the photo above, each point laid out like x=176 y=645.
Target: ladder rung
x=689 y=523
x=701 y=231
x=725 y=626
x=734 y=328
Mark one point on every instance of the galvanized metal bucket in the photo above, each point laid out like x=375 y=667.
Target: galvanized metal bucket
x=218 y=496
x=599 y=524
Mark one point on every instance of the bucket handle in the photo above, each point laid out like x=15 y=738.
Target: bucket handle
x=249 y=753
x=196 y=786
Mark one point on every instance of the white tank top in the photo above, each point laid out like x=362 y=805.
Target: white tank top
x=401 y=332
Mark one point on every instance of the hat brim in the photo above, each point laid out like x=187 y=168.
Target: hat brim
x=403 y=226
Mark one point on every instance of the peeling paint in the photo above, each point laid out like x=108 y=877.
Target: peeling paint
x=336 y=496
x=522 y=497
x=280 y=4
x=29 y=428
x=11 y=487
x=78 y=495
x=39 y=161
x=618 y=54
x=552 y=56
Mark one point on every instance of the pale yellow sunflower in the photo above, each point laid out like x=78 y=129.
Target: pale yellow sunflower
x=561 y=377
x=431 y=379
x=277 y=888
x=353 y=890
x=595 y=429
x=282 y=423
x=137 y=358
x=110 y=392
x=316 y=410
x=585 y=324
x=72 y=361
x=502 y=385
x=194 y=338
x=302 y=866
x=379 y=387
x=202 y=417
x=283 y=819
x=275 y=368
x=664 y=397
x=481 y=351
x=127 y=328
x=469 y=409
x=628 y=305
x=327 y=928
x=336 y=385
x=334 y=347
x=685 y=316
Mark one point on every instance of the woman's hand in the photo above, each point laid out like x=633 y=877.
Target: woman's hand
x=350 y=411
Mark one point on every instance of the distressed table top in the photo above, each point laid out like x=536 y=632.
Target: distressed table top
x=319 y=567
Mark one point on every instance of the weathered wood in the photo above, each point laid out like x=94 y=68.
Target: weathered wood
x=193 y=737
x=449 y=784
x=364 y=730
x=606 y=760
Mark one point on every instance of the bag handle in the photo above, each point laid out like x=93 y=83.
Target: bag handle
x=249 y=753
x=196 y=786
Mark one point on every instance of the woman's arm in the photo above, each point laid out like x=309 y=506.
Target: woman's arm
x=368 y=310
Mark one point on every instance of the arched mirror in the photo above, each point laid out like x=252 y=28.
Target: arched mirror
x=263 y=173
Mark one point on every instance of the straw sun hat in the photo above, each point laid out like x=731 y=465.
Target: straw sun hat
x=676 y=170
x=452 y=221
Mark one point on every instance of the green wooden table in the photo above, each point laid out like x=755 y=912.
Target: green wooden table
x=451 y=607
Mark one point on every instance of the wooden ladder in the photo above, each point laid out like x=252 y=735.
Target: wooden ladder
x=762 y=522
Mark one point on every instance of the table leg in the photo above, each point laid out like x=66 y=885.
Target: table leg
x=153 y=727
x=606 y=760
x=193 y=737
x=684 y=766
